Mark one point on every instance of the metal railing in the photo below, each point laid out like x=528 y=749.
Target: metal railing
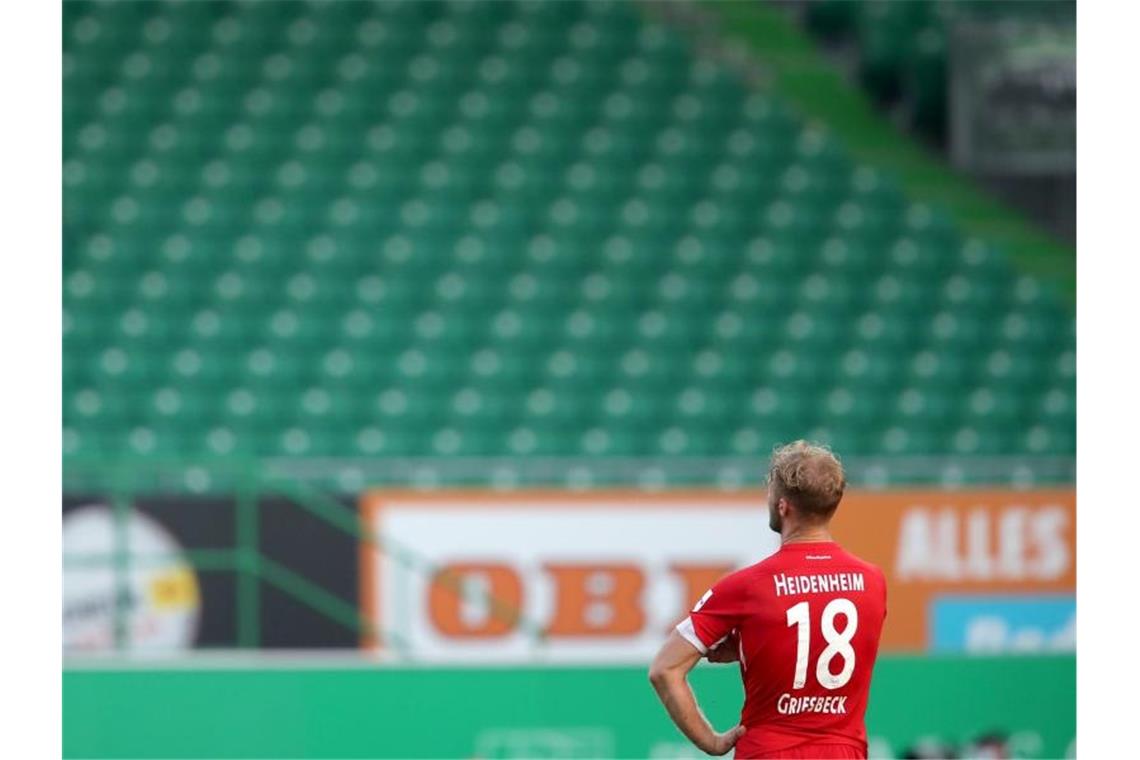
x=352 y=475
x=310 y=485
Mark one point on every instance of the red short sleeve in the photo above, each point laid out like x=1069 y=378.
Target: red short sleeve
x=715 y=614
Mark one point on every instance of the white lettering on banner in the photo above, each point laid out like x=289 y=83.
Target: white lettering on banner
x=787 y=585
x=978 y=559
x=789 y=705
x=1012 y=534
x=1048 y=533
x=1019 y=544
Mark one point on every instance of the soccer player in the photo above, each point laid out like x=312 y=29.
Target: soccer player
x=804 y=625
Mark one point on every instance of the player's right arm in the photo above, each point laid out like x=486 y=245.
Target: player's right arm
x=669 y=676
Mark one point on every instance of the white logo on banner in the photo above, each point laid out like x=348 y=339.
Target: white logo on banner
x=159 y=601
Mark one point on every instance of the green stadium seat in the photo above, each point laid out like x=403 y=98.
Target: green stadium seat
x=515 y=229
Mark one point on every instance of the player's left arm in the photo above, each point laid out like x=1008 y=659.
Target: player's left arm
x=669 y=676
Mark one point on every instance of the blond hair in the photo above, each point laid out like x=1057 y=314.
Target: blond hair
x=809 y=476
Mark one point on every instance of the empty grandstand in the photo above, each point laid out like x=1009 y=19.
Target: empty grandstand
x=515 y=229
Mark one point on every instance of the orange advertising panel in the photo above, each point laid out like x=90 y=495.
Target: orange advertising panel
x=932 y=543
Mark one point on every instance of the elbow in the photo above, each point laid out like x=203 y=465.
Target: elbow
x=659 y=676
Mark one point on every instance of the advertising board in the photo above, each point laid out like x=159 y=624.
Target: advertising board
x=549 y=576
x=601 y=576
x=933 y=544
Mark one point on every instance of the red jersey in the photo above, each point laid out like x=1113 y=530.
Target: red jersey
x=808 y=619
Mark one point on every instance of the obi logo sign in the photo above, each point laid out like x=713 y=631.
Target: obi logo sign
x=548 y=576
x=473 y=600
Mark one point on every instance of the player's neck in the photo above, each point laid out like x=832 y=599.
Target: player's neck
x=805 y=534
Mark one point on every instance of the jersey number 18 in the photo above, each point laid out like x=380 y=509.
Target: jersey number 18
x=838 y=642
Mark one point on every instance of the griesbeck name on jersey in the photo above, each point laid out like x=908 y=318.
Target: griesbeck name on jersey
x=789 y=705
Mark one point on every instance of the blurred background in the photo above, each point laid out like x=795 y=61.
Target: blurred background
x=422 y=361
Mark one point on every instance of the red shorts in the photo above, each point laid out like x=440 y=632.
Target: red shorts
x=812 y=752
